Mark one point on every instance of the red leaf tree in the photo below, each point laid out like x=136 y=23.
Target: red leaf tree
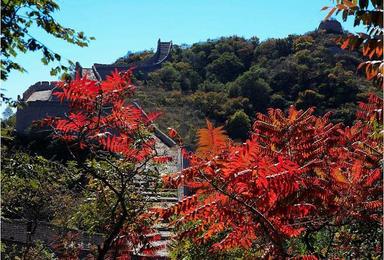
x=296 y=175
x=117 y=140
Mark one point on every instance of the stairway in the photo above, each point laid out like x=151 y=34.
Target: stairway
x=163 y=199
x=158 y=198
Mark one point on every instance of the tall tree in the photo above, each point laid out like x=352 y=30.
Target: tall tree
x=7 y=113
x=17 y=18
x=119 y=151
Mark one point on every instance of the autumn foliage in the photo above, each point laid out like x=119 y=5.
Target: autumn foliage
x=297 y=173
x=101 y=118
x=118 y=139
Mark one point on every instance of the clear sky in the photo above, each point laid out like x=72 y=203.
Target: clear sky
x=133 y=25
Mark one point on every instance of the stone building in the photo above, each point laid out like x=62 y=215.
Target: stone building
x=38 y=102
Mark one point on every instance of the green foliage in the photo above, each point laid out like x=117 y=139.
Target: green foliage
x=18 y=18
x=7 y=127
x=340 y=241
x=134 y=58
x=7 y=113
x=33 y=187
x=36 y=251
x=176 y=76
x=167 y=77
x=238 y=125
x=187 y=249
x=225 y=68
x=216 y=78
x=256 y=89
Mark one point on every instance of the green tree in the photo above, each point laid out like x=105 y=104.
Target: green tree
x=278 y=101
x=189 y=79
x=309 y=98
x=166 y=77
x=7 y=113
x=226 y=68
x=254 y=88
x=34 y=188
x=239 y=125
x=17 y=18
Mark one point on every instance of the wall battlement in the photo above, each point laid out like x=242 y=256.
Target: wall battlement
x=39 y=86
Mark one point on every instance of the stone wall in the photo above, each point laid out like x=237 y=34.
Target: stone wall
x=37 y=110
x=23 y=232
x=38 y=86
x=174 y=152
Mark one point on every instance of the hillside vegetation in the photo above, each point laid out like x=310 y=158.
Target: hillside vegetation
x=229 y=79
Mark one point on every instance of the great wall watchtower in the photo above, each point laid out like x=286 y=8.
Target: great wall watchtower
x=39 y=102
x=101 y=71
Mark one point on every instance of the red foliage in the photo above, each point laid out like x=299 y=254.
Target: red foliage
x=101 y=119
x=296 y=171
x=136 y=239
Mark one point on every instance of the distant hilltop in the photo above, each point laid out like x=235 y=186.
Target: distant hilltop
x=331 y=26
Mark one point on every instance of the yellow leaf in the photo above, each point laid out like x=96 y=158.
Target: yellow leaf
x=293 y=113
x=338 y=176
x=319 y=172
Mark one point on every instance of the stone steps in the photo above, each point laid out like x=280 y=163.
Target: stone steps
x=160 y=193
x=163 y=199
x=159 y=200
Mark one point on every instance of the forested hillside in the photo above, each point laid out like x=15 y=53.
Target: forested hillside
x=229 y=79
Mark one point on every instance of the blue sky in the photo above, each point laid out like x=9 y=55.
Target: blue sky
x=126 y=25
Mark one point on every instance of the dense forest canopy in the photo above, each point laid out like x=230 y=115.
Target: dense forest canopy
x=220 y=78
